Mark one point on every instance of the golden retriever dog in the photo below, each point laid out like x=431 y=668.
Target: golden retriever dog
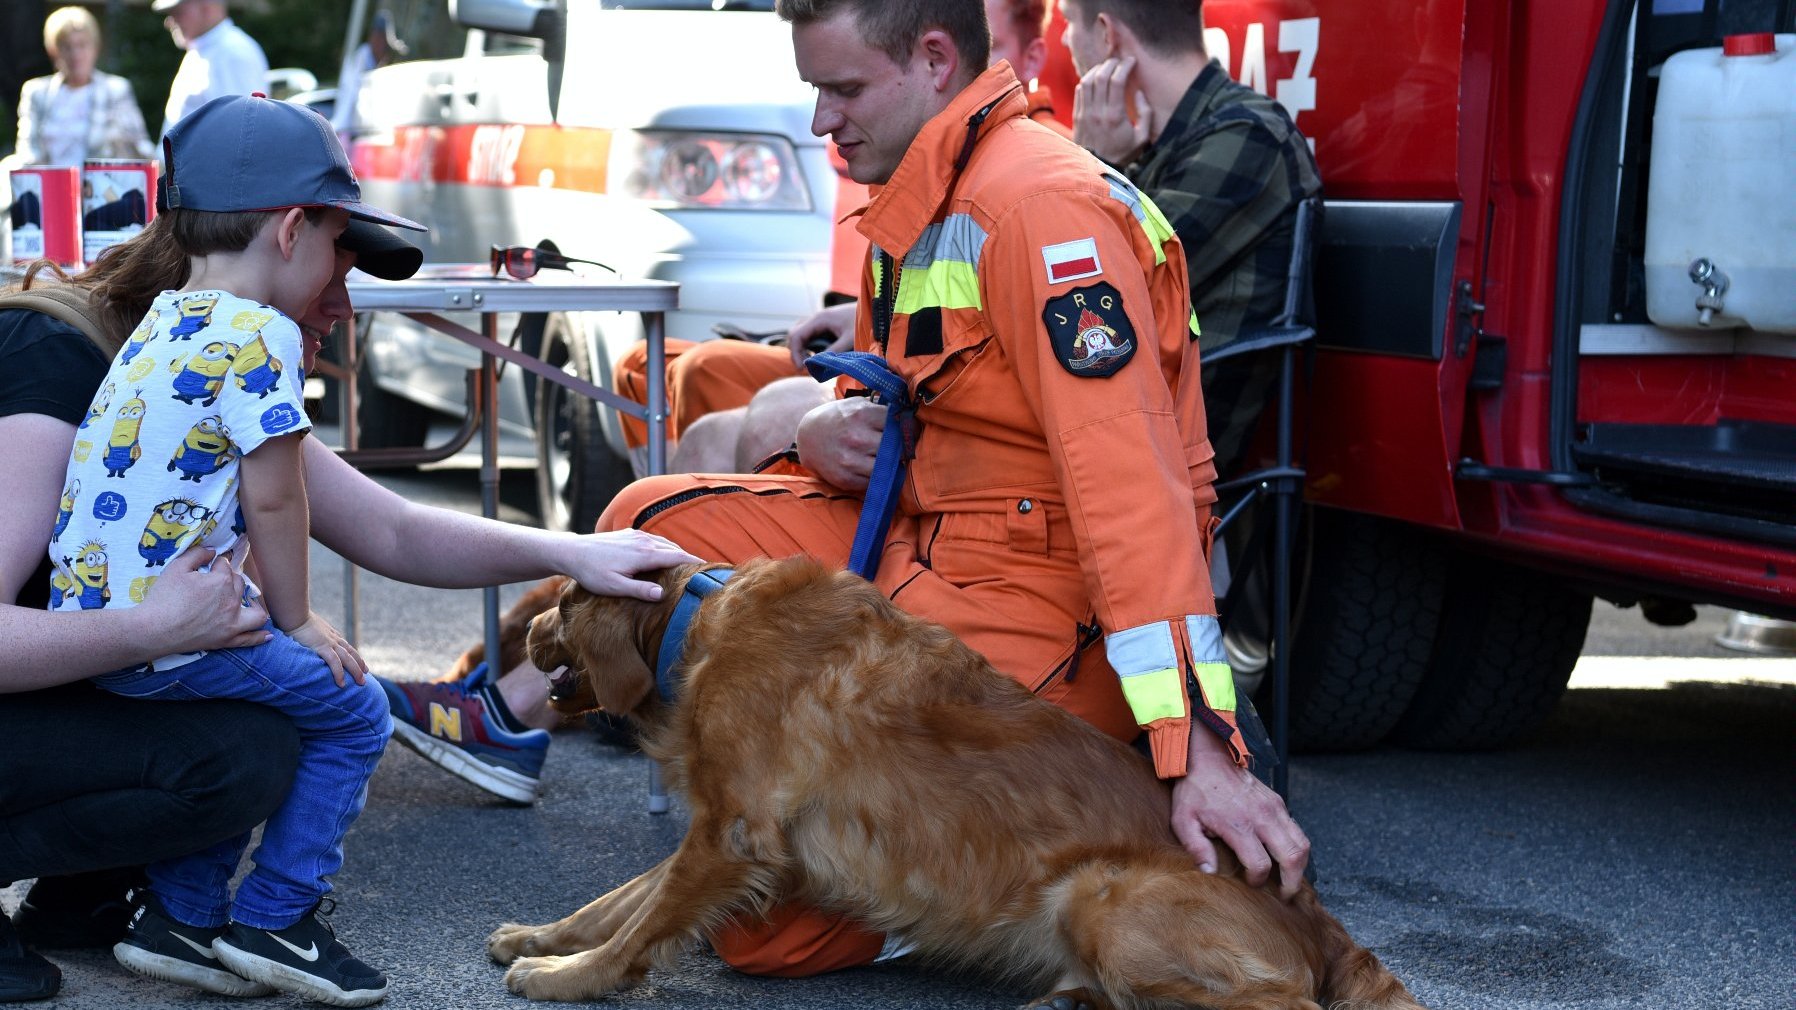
x=838 y=752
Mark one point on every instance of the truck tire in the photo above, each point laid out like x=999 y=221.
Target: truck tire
x=385 y=420
x=1363 y=639
x=1507 y=644
x=577 y=473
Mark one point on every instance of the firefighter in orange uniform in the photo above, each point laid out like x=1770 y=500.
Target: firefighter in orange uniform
x=721 y=375
x=1056 y=513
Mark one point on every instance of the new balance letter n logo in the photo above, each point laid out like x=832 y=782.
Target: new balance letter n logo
x=445 y=722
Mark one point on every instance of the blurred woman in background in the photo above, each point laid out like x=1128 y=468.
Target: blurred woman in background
x=78 y=112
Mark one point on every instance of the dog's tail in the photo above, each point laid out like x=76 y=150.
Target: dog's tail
x=1353 y=977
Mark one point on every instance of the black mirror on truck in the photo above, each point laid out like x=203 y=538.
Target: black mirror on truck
x=537 y=19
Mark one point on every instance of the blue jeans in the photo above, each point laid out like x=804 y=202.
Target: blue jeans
x=342 y=731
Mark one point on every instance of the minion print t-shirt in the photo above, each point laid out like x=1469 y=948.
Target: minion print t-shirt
x=205 y=378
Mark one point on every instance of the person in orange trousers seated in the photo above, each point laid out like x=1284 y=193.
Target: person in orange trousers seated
x=1060 y=493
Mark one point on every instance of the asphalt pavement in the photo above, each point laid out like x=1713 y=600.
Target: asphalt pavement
x=1634 y=853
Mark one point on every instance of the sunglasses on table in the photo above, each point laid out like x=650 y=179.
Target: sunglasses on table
x=523 y=262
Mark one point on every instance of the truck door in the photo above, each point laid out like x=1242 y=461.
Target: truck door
x=1395 y=97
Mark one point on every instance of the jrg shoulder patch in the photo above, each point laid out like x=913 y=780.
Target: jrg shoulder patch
x=1091 y=333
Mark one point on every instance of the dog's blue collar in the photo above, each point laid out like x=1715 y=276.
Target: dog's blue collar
x=673 y=640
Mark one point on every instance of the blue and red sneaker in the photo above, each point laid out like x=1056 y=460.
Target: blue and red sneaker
x=457 y=725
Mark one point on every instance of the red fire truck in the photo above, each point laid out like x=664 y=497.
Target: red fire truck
x=1556 y=342
x=1540 y=375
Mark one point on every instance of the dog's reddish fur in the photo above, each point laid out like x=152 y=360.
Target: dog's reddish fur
x=838 y=752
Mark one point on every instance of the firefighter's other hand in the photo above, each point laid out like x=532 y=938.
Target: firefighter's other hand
x=1110 y=116
x=1219 y=801
x=835 y=323
x=838 y=440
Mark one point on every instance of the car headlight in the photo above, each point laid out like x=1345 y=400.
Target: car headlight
x=725 y=171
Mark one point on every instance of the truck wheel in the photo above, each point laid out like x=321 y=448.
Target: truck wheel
x=577 y=473
x=1362 y=640
x=1508 y=641
x=385 y=420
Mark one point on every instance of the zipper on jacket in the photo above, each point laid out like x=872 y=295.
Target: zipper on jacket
x=1084 y=636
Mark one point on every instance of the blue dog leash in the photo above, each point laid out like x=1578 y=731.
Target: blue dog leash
x=673 y=640
x=897 y=444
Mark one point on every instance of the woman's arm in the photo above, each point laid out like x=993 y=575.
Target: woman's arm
x=384 y=533
x=29 y=120
x=187 y=610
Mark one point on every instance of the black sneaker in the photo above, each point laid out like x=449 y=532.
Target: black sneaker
x=304 y=959
x=24 y=974
x=79 y=910
x=156 y=946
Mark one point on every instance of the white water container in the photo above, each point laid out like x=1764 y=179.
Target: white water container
x=1723 y=188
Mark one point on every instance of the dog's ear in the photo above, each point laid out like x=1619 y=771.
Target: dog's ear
x=605 y=634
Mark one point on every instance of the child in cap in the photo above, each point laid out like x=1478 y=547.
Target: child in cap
x=193 y=443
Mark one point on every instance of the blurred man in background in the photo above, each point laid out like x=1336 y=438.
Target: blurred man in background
x=221 y=58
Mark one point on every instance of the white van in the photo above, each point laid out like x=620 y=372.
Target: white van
x=668 y=139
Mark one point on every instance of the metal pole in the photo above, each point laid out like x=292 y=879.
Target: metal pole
x=1284 y=511
x=489 y=478
x=657 y=419
x=654 y=332
x=353 y=32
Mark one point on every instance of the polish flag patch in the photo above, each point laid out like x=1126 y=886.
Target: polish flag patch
x=1071 y=261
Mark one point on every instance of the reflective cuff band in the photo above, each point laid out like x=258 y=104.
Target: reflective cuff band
x=1141 y=650
x=1147 y=664
x=1157 y=694
x=1211 y=663
x=1218 y=685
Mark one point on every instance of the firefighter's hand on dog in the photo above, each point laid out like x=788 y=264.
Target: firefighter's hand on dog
x=1221 y=801
x=838 y=440
x=608 y=563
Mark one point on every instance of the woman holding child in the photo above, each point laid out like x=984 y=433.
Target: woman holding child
x=196 y=775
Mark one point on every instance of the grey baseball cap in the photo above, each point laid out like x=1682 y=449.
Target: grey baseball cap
x=249 y=152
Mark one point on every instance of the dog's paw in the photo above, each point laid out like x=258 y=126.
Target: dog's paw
x=1070 y=999
x=567 y=979
x=512 y=941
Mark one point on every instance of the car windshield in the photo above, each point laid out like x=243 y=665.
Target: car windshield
x=689 y=5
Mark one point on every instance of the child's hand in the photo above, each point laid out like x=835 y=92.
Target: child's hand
x=318 y=635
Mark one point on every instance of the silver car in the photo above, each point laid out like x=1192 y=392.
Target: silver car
x=666 y=139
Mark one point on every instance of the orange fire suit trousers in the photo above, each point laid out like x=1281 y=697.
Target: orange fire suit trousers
x=702 y=377
x=736 y=517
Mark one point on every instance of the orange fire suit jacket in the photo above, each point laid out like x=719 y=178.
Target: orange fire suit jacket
x=1061 y=485
x=1039 y=312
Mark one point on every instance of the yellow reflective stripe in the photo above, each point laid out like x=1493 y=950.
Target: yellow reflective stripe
x=1157 y=228
x=1218 y=685
x=1210 y=662
x=873 y=259
x=1153 y=223
x=1156 y=694
x=1196 y=331
x=947 y=284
